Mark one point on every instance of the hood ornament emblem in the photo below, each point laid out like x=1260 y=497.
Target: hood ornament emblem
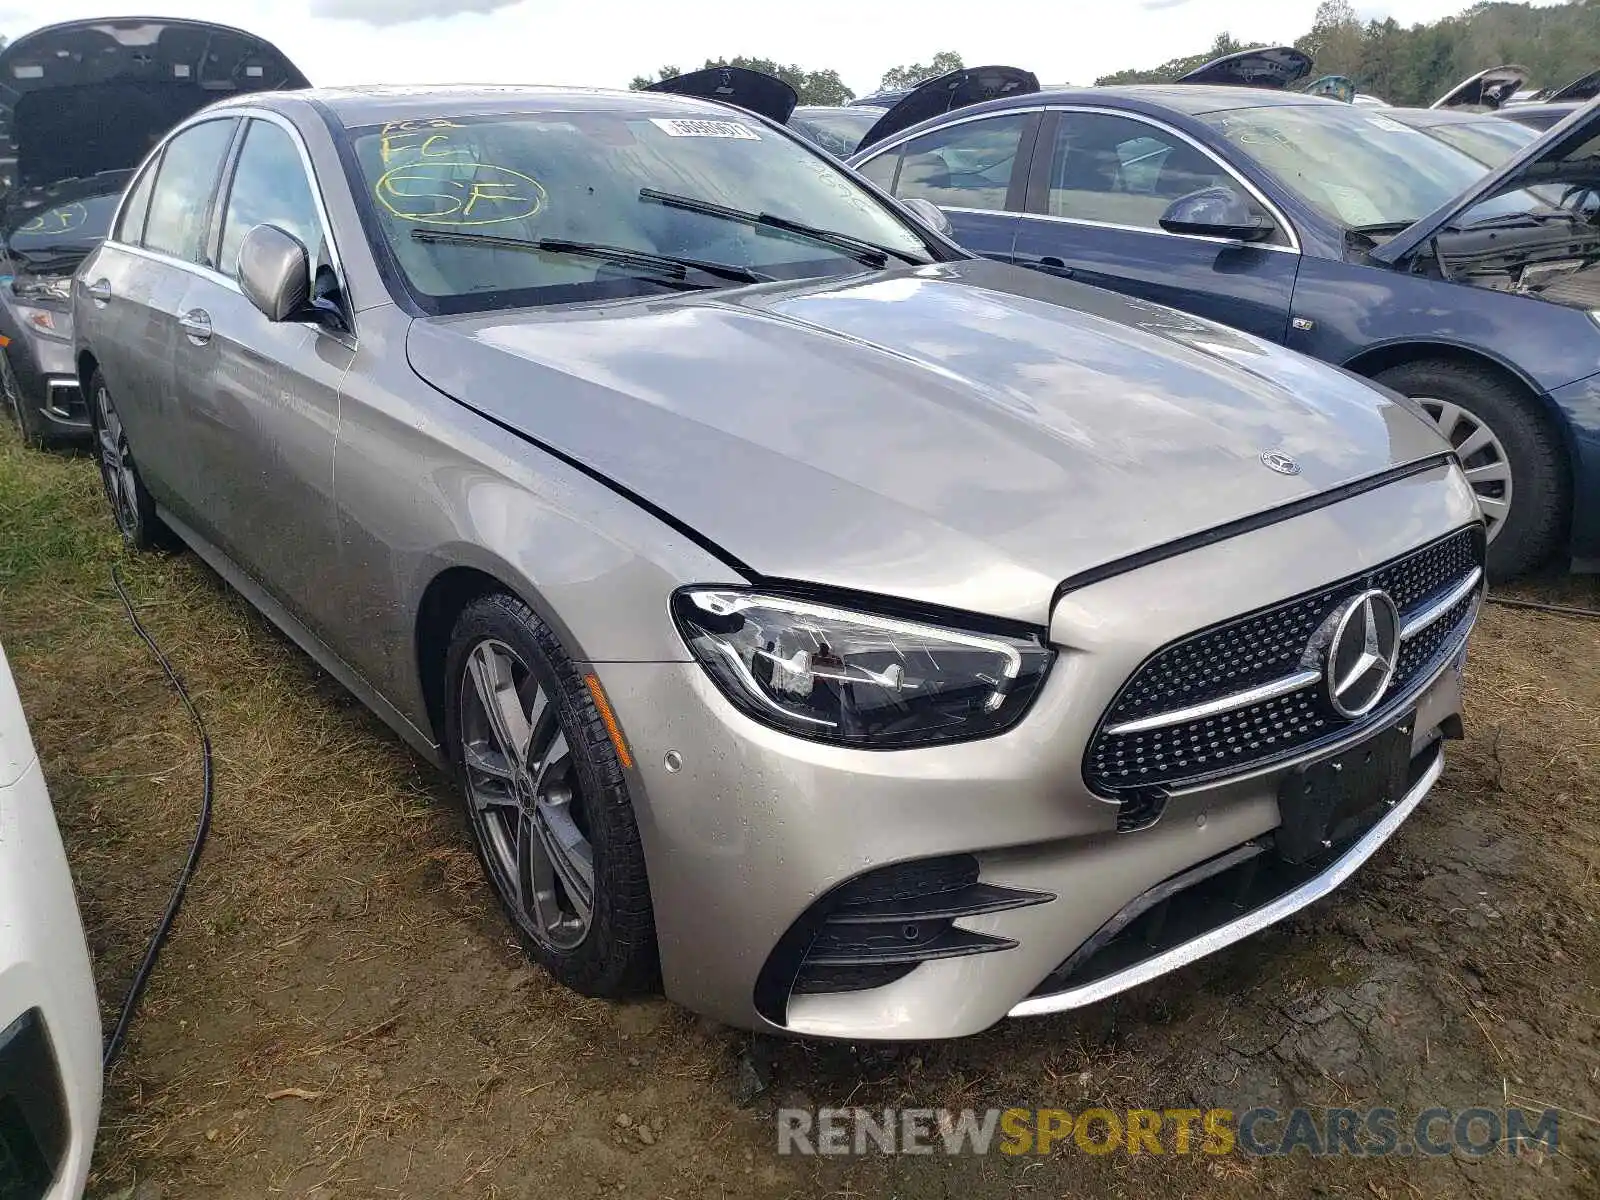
x=1277 y=460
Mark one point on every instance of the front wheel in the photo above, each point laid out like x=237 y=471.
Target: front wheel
x=547 y=801
x=1512 y=457
x=28 y=419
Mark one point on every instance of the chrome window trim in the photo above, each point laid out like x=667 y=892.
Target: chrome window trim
x=1294 y=246
x=901 y=139
x=1252 y=922
x=246 y=113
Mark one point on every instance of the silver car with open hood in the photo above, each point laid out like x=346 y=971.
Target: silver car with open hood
x=861 y=638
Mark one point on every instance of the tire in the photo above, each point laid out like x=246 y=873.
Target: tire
x=29 y=422
x=1527 y=512
x=606 y=947
x=131 y=506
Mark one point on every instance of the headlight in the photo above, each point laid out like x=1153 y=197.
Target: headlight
x=855 y=678
x=50 y=323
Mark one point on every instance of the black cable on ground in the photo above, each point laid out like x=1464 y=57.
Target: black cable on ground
x=1565 y=610
x=158 y=939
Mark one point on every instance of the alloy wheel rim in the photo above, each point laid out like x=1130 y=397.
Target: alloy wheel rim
x=524 y=798
x=1483 y=458
x=116 y=464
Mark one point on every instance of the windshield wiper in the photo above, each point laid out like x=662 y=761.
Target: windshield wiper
x=868 y=253
x=1536 y=216
x=672 y=265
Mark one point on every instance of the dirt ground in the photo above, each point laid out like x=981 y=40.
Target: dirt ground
x=342 y=1013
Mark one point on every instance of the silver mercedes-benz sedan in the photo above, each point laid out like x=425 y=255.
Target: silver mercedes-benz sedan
x=862 y=639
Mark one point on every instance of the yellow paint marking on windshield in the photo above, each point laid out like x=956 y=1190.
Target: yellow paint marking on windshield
x=422 y=191
x=58 y=220
x=399 y=136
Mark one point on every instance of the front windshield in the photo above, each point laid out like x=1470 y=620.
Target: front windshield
x=1359 y=167
x=1490 y=142
x=577 y=177
x=837 y=130
x=64 y=229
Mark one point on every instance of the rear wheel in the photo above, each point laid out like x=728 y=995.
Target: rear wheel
x=131 y=506
x=547 y=801
x=1512 y=457
x=28 y=419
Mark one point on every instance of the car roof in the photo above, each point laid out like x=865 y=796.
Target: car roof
x=358 y=106
x=1191 y=98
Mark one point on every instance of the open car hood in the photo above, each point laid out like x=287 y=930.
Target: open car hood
x=764 y=95
x=971 y=85
x=1486 y=89
x=1559 y=152
x=1586 y=87
x=1265 y=67
x=86 y=97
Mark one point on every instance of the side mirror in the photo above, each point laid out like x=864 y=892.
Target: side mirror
x=930 y=214
x=1218 y=212
x=275 y=273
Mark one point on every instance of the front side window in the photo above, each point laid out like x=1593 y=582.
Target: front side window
x=181 y=201
x=969 y=165
x=464 y=202
x=1121 y=171
x=270 y=188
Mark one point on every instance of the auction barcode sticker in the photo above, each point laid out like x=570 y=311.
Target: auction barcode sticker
x=684 y=127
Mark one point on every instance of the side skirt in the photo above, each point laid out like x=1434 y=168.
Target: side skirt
x=319 y=650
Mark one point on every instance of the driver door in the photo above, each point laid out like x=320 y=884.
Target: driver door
x=1098 y=187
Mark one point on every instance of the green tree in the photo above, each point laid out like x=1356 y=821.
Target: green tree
x=909 y=76
x=813 y=87
x=1337 y=41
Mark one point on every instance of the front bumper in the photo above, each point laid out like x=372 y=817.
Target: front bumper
x=49 y=1017
x=745 y=836
x=47 y=378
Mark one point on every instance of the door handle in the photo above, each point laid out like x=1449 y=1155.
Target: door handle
x=1047 y=262
x=197 y=325
x=99 y=291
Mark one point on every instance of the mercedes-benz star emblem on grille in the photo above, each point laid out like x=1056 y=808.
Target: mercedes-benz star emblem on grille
x=1363 y=653
x=1280 y=462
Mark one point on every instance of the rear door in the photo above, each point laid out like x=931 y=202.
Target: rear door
x=136 y=288
x=259 y=400
x=976 y=170
x=1100 y=183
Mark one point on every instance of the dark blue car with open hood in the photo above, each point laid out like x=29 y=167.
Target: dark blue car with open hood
x=1327 y=227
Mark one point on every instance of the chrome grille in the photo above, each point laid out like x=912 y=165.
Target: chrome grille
x=1260 y=649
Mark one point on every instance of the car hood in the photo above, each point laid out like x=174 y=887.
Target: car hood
x=1487 y=89
x=1554 y=155
x=85 y=97
x=1267 y=66
x=966 y=434
x=1585 y=87
x=765 y=95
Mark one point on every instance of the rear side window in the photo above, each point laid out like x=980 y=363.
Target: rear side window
x=181 y=201
x=130 y=228
x=961 y=166
x=270 y=188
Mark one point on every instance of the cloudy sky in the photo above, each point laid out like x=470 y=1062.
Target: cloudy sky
x=604 y=43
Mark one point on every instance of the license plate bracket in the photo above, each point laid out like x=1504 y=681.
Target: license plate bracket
x=1327 y=803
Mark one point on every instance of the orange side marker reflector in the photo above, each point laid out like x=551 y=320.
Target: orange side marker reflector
x=610 y=720
x=4 y=341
